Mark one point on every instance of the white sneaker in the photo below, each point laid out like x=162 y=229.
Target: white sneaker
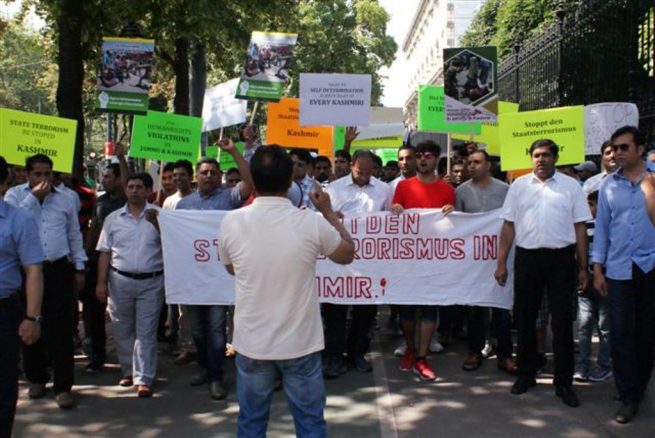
x=400 y=350
x=435 y=346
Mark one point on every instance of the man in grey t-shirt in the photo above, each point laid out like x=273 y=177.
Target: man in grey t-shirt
x=478 y=194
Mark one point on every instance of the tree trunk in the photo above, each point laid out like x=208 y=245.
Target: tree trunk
x=181 y=69
x=71 y=73
x=198 y=84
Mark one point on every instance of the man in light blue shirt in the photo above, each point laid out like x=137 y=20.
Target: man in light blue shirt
x=19 y=246
x=63 y=273
x=624 y=244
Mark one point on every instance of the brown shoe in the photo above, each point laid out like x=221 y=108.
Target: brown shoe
x=125 y=381
x=472 y=362
x=144 y=391
x=508 y=365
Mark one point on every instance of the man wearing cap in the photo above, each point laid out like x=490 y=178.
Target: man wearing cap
x=608 y=165
x=586 y=170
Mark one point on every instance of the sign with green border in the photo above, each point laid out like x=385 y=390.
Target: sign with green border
x=166 y=137
x=432 y=116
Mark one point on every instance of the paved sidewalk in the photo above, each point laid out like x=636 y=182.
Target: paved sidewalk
x=386 y=403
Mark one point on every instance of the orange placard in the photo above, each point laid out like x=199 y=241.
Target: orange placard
x=284 y=129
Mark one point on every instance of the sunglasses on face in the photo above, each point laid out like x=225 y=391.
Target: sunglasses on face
x=623 y=146
x=426 y=155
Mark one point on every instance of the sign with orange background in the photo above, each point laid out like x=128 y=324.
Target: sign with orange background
x=284 y=129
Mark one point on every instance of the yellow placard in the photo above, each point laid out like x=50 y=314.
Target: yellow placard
x=564 y=126
x=284 y=129
x=25 y=134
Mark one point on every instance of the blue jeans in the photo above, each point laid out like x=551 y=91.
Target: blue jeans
x=632 y=332
x=208 y=332
x=593 y=312
x=302 y=379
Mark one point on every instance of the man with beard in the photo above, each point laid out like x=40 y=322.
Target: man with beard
x=407 y=165
x=322 y=169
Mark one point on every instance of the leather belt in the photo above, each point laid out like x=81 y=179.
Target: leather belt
x=138 y=275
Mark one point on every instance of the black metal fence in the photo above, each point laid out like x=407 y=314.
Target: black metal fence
x=603 y=51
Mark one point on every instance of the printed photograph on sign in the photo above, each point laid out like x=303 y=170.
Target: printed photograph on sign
x=266 y=69
x=125 y=74
x=470 y=84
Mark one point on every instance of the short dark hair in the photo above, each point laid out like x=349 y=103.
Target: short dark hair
x=322 y=159
x=4 y=170
x=342 y=154
x=606 y=144
x=392 y=163
x=115 y=169
x=271 y=169
x=302 y=154
x=638 y=137
x=550 y=144
x=208 y=160
x=169 y=167
x=408 y=147
x=377 y=159
x=362 y=153
x=183 y=164
x=38 y=158
x=457 y=163
x=486 y=155
x=144 y=177
x=461 y=149
x=593 y=196
x=429 y=146
x=233 y=170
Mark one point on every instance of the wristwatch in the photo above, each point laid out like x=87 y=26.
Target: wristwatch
x=37 y=319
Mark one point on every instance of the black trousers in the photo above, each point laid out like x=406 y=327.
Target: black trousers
x=11 y=315
x=56 y=341
x=93 y=316
x=358 y=341
x=551 y=271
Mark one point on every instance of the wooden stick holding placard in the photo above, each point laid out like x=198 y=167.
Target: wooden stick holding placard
x=448 y=150
x=254 y=111
x=220 y=135
x=158 y=200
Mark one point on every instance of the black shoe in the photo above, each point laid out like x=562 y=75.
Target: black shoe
x=541 y=363
x=335 y=367
x=522 y=385
x=626 y=412
x=360 y=363
x=567 y=395
x=93 y=368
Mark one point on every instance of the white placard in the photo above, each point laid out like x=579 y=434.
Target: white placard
x=602 y=119
x=419 y=257
x=335 y=99
x=221 y=109
x=385 y=122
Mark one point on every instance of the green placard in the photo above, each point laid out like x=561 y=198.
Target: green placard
x=376 y=143
x=166 y=137
x=211 y=152
x=25 y=134
x=338 y=137
x=565 y=126
x=431 y=115
x=390 y=154
x=225 y=160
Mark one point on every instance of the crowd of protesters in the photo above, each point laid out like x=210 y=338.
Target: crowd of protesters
x=579 y=235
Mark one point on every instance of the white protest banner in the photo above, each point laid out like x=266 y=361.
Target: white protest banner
x=602 y=119
x=335 y=99
x=419 y=257
x=221 y=109
x=385 y=122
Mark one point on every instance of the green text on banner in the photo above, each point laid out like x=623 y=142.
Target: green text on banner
x=25 y=134
x=431 y=115
x=165 y=136
x=565 y=126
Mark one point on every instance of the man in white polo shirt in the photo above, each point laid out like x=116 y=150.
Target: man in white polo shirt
x=545 y=214
x=271 y=248
x=354 y=194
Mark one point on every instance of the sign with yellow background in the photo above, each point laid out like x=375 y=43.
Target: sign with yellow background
x=284 y=129
x=25 y=134
x=489 y=134
x=565 y=126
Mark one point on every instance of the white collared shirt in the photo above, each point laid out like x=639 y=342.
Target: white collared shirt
x=593 y=183
x=544 y=212
x=351 y=199
x=393 y=184
x=134 y=243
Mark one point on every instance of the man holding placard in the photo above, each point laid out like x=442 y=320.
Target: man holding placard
x=544 y=214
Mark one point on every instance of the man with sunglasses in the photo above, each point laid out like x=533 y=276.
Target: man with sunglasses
x=303 y=166
x=425 y=190
x=608 y=164
x=624 y=245
x=544 y=215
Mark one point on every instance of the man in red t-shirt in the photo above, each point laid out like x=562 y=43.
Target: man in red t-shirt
x=425 y=190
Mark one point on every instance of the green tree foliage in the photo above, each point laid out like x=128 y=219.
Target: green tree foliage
x=343 y=37
x=27 y=79
x=503 y=23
